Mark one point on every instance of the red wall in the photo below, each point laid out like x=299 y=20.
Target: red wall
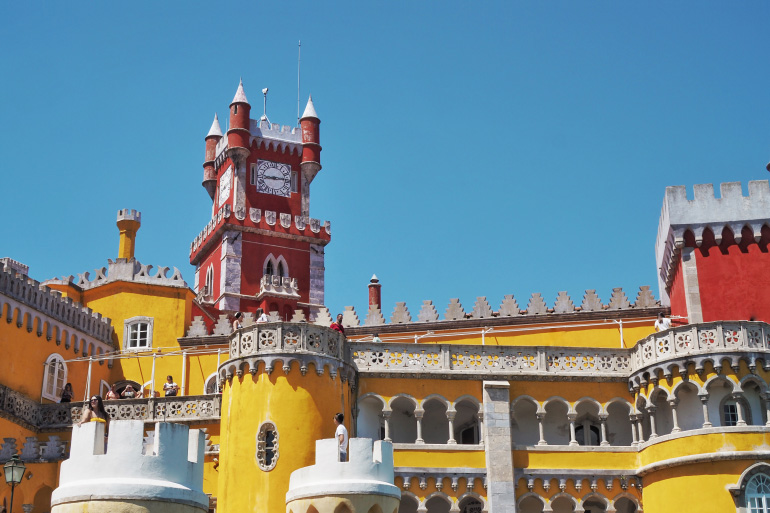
x=678 y=300
x=734 y=280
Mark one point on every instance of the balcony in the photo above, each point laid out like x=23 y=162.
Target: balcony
x=278 y=286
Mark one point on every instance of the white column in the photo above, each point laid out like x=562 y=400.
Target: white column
x=603 y=419
x=704 y=399
x=540 y=416
x=184 y=373
x=674 y=415
x=480 y=416
x=571 y=418
x=739 y=409
x=766 y=399
x=450 y=415
x=640 y=427
x=386 y=421
x=418 y=416
x=653 y=432
x=634 y=439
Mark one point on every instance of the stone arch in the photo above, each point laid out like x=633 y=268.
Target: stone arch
x=625 y=502
x=375 y=509
x=42 y=499
x=717 y=388
x=269 y=266
x=664 y=417
x=403 y=423
x=587 y=421
x=556 y=422
x=525 y=430
x=370 y=421
x=619 y=426
x=435 y=422
x=530 y=502
x=210 y=384
x=754 y=389
x=409 y=503
x=592 y=498
x=466 y=422
x=471 y=496
x=343 y=507
x=566 y=503
x=438 y=502
x=558 y=399
x=689 y=410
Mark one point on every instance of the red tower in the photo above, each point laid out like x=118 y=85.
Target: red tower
x=712 y=253
x=261 y=249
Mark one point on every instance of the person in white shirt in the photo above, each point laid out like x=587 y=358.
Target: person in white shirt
x=261 y=317
x=341 y=434
x=662 y=323
x=170 y=387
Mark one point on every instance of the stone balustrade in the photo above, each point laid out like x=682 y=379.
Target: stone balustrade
x=462 y=361
x=699 y=343
x=286 y=337
x=33 y=415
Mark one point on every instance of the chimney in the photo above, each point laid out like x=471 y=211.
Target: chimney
x=129 y=222
x=375 y=297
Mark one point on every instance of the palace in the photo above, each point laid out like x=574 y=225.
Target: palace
x=528 y=406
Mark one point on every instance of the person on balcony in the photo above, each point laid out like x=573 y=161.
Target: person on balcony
x=94 y=412
x=112 y=394
x=261 y=317
x=169 y=387
x=337 y=326
x=662 y=323
x=67 y=393
x=128 y=392
x=341 y=434
x=237 y=321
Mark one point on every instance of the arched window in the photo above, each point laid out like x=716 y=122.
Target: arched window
x=729 y=411
x=758 y=494
x=269 y=269
x=280 y=269
x=104 y=387
x=54 y=377
x=208 y=288
x=267 y=446
x=210 y=387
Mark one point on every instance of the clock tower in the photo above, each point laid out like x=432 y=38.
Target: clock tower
x=261 y=248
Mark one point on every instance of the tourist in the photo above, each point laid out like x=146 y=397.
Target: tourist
x=112 y=394
x=94 y=412
x=341 y=434
x=169 y=387
x=662 y=323
x=261 y=317
x=67 y=393
x=237 y=321
x=337 y=326
x=129 y=392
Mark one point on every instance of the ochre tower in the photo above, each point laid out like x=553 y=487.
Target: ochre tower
x=261 y=249
x=283 y=383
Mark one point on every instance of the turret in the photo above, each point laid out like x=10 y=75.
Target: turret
x=239 y=133
x=209 y=173
x=129 y=222
x=311 y=152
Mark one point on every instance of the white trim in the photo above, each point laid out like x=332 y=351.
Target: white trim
x=211 y=376
x=55 y=394
x=104 y=387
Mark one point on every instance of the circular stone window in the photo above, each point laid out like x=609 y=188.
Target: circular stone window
x=267 y=446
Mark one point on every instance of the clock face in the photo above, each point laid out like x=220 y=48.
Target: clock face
x=274 y=178
x=225 y=182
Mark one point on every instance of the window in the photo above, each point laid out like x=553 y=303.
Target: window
x=730 y=413
x=294 y=181
x=210 y=387
x=253 y=175
x=269 y=269
x=267 y=446
x=758 y=494
x=280 y=269
x=208 y=288
x=138 y=333
x=54 y=378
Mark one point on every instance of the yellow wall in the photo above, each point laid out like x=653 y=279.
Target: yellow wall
x=301 y=407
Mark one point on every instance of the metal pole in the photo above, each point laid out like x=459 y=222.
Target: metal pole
x=88 y=378
x=299 y=59
x=152 y=377
x=184 y=372
x=13 y=486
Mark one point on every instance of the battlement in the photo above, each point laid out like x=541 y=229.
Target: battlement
x=705 y=211
x=125 y=270
x=257 y=219
x=129 y=215
x=14 y=265
x=168 y=469
x=42 y=299
x=369 y=470
x=270 y=135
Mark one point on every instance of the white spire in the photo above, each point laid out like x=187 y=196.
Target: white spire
x=215 y=128
x=240 y=96
x=310 y=109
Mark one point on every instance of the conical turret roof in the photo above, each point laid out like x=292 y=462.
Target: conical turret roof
x=215 y=128
x=240 y=95
x=310 y=109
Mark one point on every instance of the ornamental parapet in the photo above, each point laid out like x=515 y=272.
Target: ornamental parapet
x=456 y=361
x=22 y=410
x=712 y=342
x=278 y=286
x=471 y=477
x=287 y=342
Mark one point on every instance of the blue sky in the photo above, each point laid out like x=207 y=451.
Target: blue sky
x=470 y=149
